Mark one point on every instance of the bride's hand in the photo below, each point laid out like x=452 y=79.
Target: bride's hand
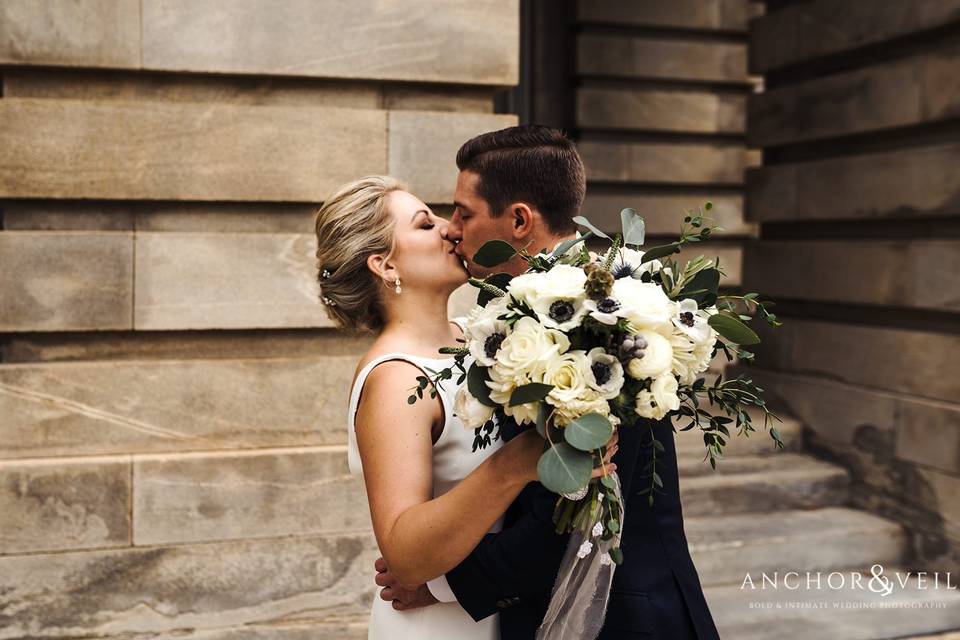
x=529 y=446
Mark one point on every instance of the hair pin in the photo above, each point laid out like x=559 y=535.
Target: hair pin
x=327 y=301
x=325 y=274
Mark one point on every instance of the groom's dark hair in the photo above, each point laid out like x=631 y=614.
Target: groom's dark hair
x=530 y=163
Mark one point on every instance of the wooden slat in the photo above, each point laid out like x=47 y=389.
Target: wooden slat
x=722 y=15
x=903 y=361
x=905 y=183
x=127 y=150
x=679 y=163
x=810 y=30
x=919 y=274
x=423 y=148
x=142 y=406
x=663 y=214
x=237 y=280
x=661 y=58
x=65 y=281
x=911 y=91
x=459 y=41
x=661 y=110
x=92 y=33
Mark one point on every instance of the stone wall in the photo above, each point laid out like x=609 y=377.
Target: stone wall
x=858 y=205
x=172 y=396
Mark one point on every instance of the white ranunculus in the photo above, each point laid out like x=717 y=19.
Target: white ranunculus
x=473 y=413
x=687 y=318
x=609 y=369
x=691 y=358
x=644 y=304
x=557 y=296
x=657 y=356
x=660 y=399
x=589 y=402
x=485 y=331
x=525 y=351
x=502 y=384
x=567 y=373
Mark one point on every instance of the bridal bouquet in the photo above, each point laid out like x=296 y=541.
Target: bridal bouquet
x=584 y=342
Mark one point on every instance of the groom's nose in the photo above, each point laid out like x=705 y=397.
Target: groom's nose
x=453 y=230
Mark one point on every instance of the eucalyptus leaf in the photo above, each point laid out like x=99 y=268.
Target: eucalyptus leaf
x=499 y=280
x=662 y=251
x=733 y=329
x=583 y=222
x=588 y=432
x=634 y=228
x=702 y=287
x=493 y=253
x=532 y=392
x=542 y=420
x=477 y=377
x=563 y=469
x=566 y=245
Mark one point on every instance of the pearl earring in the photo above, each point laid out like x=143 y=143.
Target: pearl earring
x=397 y=286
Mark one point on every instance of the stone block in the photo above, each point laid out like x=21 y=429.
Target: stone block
x=431 y=41
x=929 y=434
x=61 y=504
x=93 y=33
x=671 y=110
x=721 y=15
x=91 y=408
x=663 y=214
x=661 y=58
x=182 y=498
x=236 y=281
x=423 y=148
x=164 y=151
x=65 y=281
x=161 y=591
x=668 y=163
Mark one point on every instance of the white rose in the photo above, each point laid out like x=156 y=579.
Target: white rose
x=525 y=351
x=589 y=402
x=604 y=373
x=660 y=399
x=657 y=356
x=644 y=304
x=473 y=413
x=691 y=359
x=568 y=374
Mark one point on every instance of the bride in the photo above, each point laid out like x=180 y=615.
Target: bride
x=384 y=266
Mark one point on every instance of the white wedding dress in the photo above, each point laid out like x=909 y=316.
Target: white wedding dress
x=453 y=460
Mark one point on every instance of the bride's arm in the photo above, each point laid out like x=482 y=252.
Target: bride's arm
x=422 y=537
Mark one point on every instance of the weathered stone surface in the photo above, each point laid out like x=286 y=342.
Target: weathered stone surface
x=946 y=488
x=250 y=494
x=725 y=548
x=59 y=504
x=412 y=97
x=236 y=281
x=433 y=41
x=661 y=110
x=127 y=407
x=423 y=148
x=161 y=590
x=232 y=217
x=663 y=214
x=929 y=434
x=833 y=410
x=677 y=163
x=86 y=84
x=906 y=92
x=93 y=33
x=652 y=57
x=809 y=30
x=65 y=281
x=725 y=15
x=58 y=215
x=168 y=151
x=914 y=182
x=287 y=631
x=903 y=273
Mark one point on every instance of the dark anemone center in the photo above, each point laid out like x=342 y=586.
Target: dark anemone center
x=624 y=270
x=561 y=310
x=492 y=344
x=601 y=373
x=687 y=318
x=608 y=305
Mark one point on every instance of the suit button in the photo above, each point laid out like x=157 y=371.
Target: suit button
x=503 y=604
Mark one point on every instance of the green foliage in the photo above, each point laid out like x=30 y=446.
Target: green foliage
x=588 y=432
x=563 y=469
x=493 y=253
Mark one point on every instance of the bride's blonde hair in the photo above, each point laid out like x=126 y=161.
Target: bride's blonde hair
x=352 y=225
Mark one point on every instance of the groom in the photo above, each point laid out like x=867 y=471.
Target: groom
x=524 y=185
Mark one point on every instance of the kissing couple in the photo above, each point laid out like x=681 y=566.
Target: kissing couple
x=468 y=543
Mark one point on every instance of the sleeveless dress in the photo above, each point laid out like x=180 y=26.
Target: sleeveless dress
x=453 y=460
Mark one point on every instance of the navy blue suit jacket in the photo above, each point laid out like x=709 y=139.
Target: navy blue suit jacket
x=656 y=592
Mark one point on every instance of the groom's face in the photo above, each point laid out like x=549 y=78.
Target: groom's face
x=473 y=223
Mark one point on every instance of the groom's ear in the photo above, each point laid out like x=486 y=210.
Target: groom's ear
x=522 y=220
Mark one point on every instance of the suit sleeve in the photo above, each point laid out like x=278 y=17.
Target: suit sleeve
x=518 y=562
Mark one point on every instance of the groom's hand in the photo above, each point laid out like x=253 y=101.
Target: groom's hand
x=401 y=597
